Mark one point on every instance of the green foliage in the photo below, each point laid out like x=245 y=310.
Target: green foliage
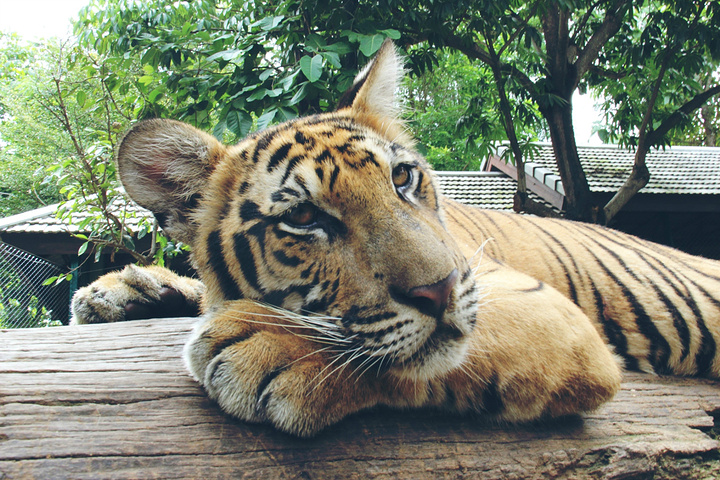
x=482 y=72
x=231 y=66
x=28 y=140
x=453 y=111
x=667 y=52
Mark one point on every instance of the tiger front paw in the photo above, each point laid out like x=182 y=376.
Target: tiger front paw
x=134 y=293
x=263 y=374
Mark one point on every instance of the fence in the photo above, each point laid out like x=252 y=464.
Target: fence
x=24 y=301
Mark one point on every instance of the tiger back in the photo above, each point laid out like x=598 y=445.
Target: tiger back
x=659 y=307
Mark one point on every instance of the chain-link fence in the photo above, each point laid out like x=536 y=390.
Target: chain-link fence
x=24 y=301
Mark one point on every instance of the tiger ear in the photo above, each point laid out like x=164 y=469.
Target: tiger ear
x=373 y=96
x=164 y=165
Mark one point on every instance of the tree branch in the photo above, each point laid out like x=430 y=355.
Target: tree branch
x=611 y=24
x=605 y=73
x=519 y=29
x=472 y=51
x=671 y=121
x=583 y=21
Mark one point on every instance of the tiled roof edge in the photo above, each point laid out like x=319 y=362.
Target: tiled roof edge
x=451 y=173
x=24 y=217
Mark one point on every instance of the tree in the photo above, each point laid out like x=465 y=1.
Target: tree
x=27 y=142
x=238 y=66
x=547 y=50
x=654 y=75
x=64 y=108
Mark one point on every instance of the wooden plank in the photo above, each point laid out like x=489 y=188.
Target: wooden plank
x=114 y=401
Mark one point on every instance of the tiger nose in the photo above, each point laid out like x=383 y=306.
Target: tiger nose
x=433 y=299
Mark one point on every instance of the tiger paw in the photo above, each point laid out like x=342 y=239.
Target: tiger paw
x=134 y=293
x=261 y=373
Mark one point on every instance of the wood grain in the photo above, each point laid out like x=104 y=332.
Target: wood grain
x=114 y=401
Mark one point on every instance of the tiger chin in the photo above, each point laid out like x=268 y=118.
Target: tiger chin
x=335 y=278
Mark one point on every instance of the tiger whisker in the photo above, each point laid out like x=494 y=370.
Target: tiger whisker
x=354 y=354
x=314 y=352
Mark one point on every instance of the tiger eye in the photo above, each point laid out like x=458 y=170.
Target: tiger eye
x=302 y=216
x=401 y=176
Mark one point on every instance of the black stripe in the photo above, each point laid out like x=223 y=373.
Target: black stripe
x=218 y=348
x=492 y=401
x=659 y=347
x=670 y=254
x=262 y=143
x=333 y=177
x=280 y=195
x=245 y=258
x=320 y=173
x=300 y=138
x=262 y=399
x=516 y=219
x=568 y=255
x=354 y=319
x=538 y=288
x=300 y=181
x=217 y=262
x=249 y=211
x=278 y=156
x=613 y=331
x=282 y=257
x=419 y=186
x=486 y=216
x=454 y=210
x=291 y=166
x=678 y=322
x=277 y=297
x=705 y=356
x=325 y=155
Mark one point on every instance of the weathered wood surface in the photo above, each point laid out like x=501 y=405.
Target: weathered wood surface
x=114 y=401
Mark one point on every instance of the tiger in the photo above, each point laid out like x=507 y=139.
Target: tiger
x=334 y=277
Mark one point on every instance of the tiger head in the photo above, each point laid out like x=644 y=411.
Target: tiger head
x=334 y=215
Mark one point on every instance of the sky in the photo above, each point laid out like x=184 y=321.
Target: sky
x=35 y=19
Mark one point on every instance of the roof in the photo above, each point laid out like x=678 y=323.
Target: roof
x=673 y=170
x=44 y=220
x=491 y=190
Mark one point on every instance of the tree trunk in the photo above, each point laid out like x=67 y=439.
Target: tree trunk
x=638 y=178
x=577 y=192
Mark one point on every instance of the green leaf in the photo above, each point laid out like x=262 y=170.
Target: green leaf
x=333 y=58
x=238 y=123
x=269 y=23
x=266 y=118
x=369 y=44
x=158 y=92
x=83 y=248
x=312 y=67
x=284 y=114
x=391 y=33
x=299 y=95
x=81 y=98
x=258 y=94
